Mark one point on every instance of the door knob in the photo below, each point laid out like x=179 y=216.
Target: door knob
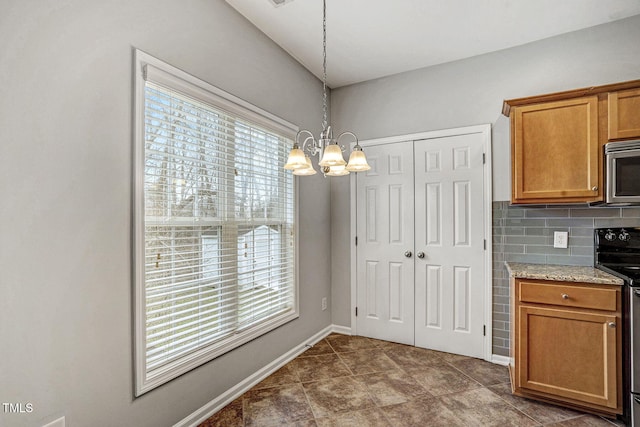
x=612 y=324
x=407 y=254
x=420 y=255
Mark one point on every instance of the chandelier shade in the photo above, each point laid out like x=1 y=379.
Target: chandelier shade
x=332 y=156
x=328 y=149
x=357 y=160
x=306 y=171
x=296 y=160
x=339 y=170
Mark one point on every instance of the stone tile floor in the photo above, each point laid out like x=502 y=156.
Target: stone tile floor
x=355 y=381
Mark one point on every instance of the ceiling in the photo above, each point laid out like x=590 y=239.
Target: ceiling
x=368 y=39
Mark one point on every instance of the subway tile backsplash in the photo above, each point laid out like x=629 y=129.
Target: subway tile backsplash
x=525 y=234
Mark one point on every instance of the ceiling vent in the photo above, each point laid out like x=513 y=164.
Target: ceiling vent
x=278 y=3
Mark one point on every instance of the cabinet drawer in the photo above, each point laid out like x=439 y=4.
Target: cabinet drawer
x=567 y=295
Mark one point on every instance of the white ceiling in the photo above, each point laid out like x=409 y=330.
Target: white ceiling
x=367 y=39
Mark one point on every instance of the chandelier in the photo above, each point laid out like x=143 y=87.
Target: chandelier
x=325 y=147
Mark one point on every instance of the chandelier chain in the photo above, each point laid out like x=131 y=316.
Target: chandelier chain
x=324 y=65
x=328 y=150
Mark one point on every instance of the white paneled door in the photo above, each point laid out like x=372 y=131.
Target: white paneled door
x=385 y=268
x=449 y=239
x=420 y=253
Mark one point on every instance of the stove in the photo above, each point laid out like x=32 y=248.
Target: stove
x=617 y=251
x=629 y=273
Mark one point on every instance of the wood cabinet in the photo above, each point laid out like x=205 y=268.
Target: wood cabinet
x=624 y=114
x=566 y=345
x=556 y=151
x=557 y=141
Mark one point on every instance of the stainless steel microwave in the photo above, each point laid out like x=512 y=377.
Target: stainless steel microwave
x=622 y=173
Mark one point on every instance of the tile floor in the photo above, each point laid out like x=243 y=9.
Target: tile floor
x=355 y=381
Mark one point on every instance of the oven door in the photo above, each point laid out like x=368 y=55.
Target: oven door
x=623 y=169
x=634 y=355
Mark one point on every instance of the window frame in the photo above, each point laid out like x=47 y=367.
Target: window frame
x=178 y=80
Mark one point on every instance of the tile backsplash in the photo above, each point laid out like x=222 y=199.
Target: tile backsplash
x=525 y=234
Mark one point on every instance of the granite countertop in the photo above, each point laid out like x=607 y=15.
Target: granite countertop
x=565 y=273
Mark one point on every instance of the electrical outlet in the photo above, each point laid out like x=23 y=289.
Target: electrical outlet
x=560 y=239
x=324 y=303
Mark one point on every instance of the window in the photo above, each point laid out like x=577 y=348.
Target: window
x=214 y=223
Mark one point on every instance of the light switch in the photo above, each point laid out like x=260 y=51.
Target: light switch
x=560 y=239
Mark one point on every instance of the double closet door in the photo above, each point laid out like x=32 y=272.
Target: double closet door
x=420 y=251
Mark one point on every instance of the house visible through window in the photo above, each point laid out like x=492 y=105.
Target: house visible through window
x=215 y=247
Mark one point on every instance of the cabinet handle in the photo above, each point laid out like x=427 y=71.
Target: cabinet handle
x=612 y=324
x=565 y=296
x=594 y=188
x=421 y=255
x=408 y=254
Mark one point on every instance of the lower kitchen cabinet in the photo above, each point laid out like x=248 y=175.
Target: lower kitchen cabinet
x=567 y=344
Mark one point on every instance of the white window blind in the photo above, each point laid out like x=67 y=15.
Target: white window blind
x=217 y=222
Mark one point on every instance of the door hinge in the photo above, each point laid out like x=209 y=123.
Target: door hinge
x=485 y=244
x=356 y=240
x=356 y=311
x=484 y=330
x=484 y=158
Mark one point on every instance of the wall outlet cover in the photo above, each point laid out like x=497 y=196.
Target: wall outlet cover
x=560 y=239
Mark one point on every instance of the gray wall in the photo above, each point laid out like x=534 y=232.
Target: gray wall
x=65 y=186
x=470 y=92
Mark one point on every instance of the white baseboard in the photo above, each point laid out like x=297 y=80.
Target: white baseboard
x=500 y=360
x=345 y=330
x=239 y=389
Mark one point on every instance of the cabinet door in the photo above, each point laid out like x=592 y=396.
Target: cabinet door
x=624 y=114
x=568 y=354
x=555 y=152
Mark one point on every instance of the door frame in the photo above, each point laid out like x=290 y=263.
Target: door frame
x=485 y=131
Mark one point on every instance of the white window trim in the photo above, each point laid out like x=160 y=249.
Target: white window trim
x=190 y=85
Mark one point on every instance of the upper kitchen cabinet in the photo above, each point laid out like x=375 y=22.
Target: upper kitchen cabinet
x=624 y=114
x=557 y=140
x=554 y=151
